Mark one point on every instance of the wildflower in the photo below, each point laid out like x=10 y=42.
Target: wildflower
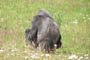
x=8 y=54
x=80 y=58
x=88 y=18
x=1 y=51
x=47 y=55
x=34 y=57
x=42 y=55
x=75 y=22
x=26 y=57
x=25 y=51
x=13 y=50
x=73 y=57
x=86 y=55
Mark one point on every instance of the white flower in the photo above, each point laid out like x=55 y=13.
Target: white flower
x=8 y=54
x=13 y=50
x=26 y=57
x=88 y=18
x=86 y=55
x=34 y=56
x=47 y=55
x=73 y=57
x=42 y=55
x=25 y=51
x=75 y=22
x=1 y=51
x=80 y=58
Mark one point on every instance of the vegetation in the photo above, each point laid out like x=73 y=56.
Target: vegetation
x=72 y=16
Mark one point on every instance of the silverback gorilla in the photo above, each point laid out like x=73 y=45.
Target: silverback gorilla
x=44 y=32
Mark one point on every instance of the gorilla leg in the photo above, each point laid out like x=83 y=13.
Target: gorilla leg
x=46 y=46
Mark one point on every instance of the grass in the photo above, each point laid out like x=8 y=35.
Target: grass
x=72 y=16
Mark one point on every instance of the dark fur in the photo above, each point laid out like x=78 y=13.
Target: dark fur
x=30 y=38
x=45 y=32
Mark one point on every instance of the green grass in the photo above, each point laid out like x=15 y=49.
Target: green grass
x=72 y=16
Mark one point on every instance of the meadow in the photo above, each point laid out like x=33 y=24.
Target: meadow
x=72 y=17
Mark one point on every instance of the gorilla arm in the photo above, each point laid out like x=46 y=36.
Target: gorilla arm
x=34 y=31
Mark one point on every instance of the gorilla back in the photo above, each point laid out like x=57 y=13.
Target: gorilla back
x=47 y=31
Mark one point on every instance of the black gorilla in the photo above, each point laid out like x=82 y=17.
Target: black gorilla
x=44 y=33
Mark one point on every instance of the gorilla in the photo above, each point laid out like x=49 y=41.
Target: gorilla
x=44 y=33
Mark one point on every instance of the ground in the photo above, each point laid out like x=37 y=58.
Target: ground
x=72 y=16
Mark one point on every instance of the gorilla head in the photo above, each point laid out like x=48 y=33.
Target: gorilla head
x=43 y=12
